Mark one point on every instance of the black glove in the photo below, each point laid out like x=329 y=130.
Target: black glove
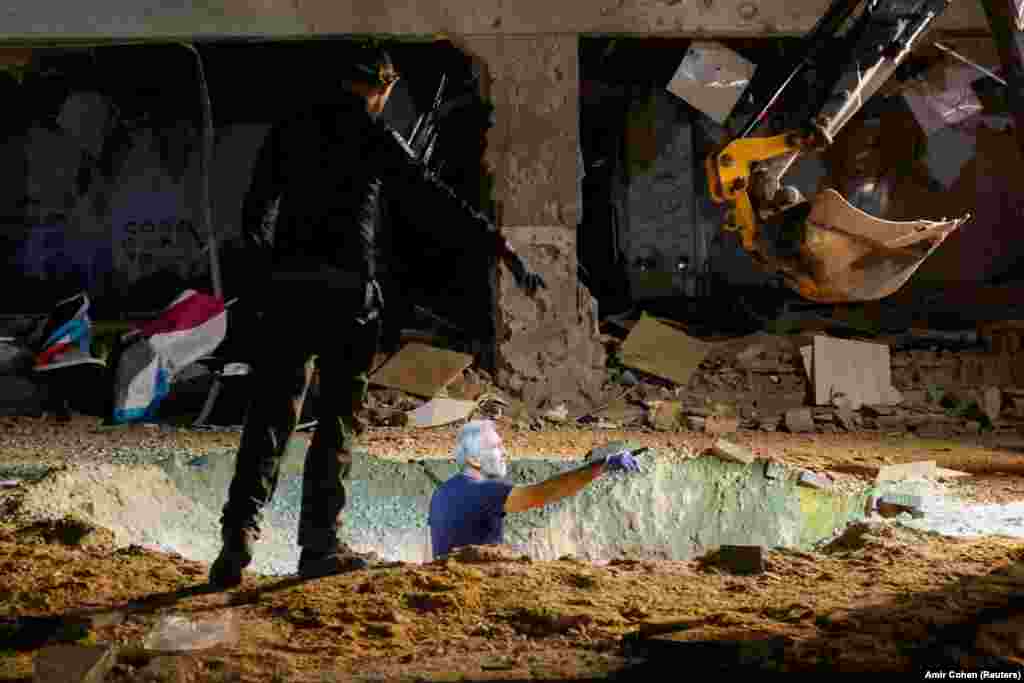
x=528 y=281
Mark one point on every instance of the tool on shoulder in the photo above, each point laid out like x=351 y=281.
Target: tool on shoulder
x=424 y=133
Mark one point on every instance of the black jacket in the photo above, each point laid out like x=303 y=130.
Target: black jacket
x=314 y=202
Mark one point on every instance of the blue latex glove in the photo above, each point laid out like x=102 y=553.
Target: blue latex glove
x=621 y=462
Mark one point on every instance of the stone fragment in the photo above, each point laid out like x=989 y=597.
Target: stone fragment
x=665 y=416
x=721 y=425
x=799 y=420
x=992 y=402
x=696 y=424
x=773 y=469
x=726 y=450
x=741 y=559
x=891 y=422
x=845 y=418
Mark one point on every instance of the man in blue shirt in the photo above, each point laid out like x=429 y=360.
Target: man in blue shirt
x=470 y=508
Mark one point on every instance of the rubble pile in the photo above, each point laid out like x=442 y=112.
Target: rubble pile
x=763 y=383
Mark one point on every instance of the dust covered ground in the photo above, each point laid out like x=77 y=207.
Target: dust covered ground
x=881 y=598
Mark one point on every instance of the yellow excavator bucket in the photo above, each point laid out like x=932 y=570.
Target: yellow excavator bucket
x=846 y=255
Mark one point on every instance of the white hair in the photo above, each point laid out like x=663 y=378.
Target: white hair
x=467 y=444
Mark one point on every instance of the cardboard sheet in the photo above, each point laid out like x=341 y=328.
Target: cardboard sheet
x=421 y=370
x=662 y=351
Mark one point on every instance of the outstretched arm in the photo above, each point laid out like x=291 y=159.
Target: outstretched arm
x=398 y=160
x=557 y=487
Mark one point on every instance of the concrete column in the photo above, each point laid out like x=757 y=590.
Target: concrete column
x=547 y=346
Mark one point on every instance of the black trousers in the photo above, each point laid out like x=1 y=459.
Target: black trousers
x=344 y=342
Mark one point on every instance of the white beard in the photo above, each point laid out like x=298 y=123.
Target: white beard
x=493 y=465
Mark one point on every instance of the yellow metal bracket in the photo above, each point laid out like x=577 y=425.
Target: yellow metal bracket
x=728 y=172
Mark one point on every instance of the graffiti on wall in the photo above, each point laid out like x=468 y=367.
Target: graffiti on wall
x=149 y=245
x=152 y=232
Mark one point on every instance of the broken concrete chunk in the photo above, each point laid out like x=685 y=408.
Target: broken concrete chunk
x=665 y=416
x=890 y=422
x=814 y=480
x=859 y=370
x=73 y=664
x=750 y=354
x=721 y=425
x=773 y=469
x=800 y=420
x=558 y=414
x=845 y=418
x=741 y=559
x=992 y=402
x=726 y=450
x=441 y=411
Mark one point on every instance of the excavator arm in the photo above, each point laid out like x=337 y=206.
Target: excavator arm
x=826 y=249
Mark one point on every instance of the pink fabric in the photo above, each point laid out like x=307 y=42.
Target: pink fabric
x=190 y=312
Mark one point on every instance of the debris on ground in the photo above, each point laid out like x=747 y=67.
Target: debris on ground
x=663 y=351
x=735 y=559
x=726 y=450
x=421 y=370
x=861 y=371
x=441 y=411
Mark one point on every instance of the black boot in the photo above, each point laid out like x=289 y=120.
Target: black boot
x=235 y=556
x=339 y=559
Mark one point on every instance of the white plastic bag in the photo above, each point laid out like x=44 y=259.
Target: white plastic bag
x=177 y=633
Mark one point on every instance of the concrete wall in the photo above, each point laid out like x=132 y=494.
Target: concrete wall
x=546 y=346
x=660 y=203
x=48 y=20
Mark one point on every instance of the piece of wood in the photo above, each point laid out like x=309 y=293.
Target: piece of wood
x=906 y=470
x=73 y=664
x=662 y=351
x=421 y=370
x=441 y=411
x=861 y=371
